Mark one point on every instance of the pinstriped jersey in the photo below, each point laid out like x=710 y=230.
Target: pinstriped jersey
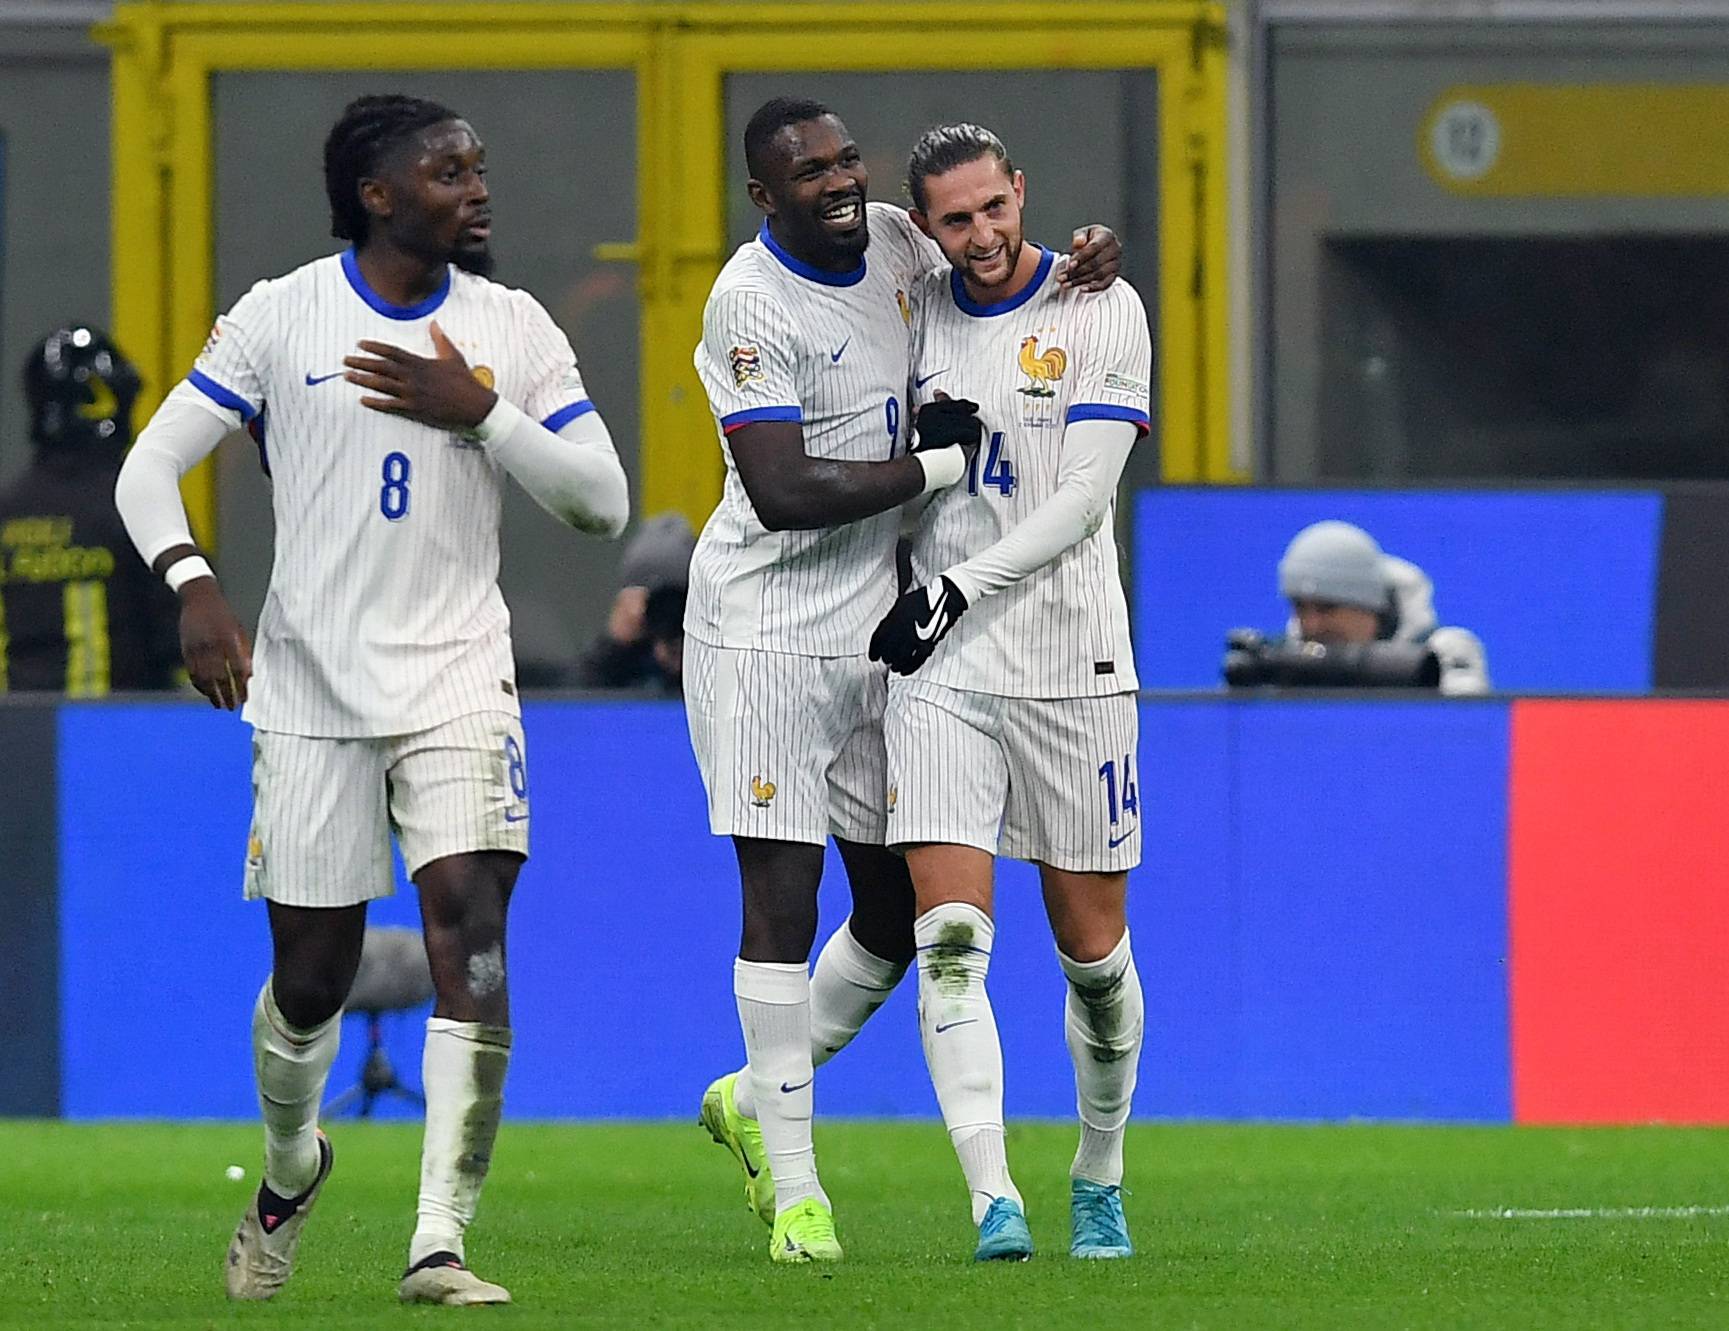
x=383 y=615
x=1035 y=362
x=783 y=341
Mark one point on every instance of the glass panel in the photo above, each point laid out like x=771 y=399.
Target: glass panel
x=54 y=225
x=1602 y=358
x=1348 y=107
x=561 y=152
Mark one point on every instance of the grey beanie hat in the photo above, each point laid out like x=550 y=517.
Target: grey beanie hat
x=1334 y=561
x=659 y=554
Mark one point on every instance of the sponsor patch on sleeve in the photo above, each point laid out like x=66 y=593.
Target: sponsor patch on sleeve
x=746 y=364
x=1121 y=383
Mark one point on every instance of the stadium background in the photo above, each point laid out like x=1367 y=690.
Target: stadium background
x=1405 y=266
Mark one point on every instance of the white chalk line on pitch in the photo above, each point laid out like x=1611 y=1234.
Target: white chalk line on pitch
x=1592 y=1213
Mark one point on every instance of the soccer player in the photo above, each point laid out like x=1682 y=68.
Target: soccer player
x=805 y=358
x=390 y=387
x=1017 y=733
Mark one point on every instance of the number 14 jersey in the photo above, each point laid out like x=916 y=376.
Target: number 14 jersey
x=1034 y=363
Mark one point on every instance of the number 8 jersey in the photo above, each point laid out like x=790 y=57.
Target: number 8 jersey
x=1034 y=363
x=383 y=615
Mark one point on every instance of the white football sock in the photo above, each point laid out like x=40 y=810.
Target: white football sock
x=961 y=1046
x=774 y=1013
x=848 y=985
x=291 y=1066
x=462 y=1072
x=1105 y=1020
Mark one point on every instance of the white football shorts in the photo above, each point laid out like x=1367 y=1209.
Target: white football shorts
x=323 y=810
x=790 y=747
x=1050 y=780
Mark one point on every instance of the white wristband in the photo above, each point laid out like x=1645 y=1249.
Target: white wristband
x=185 y=569
x=942 y=466
x=497 y=423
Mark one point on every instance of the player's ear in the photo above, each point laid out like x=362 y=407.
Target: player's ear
x=1019 y=181
x=375 y=197
x=759 y=195
x=921 y=222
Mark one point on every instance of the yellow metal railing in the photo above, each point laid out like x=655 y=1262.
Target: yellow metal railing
x=165 y=54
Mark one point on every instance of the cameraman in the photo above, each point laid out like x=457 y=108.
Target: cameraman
x=1359 y=618
x=642 y=645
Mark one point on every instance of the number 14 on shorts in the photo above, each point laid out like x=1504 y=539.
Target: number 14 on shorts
x=1121 y=797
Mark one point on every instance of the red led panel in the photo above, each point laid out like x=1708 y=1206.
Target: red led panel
x=1618 y=912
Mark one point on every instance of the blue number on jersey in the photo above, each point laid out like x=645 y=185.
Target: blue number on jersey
x=999 y=471
x=515 y=766
x=393 y=497
x=892 y=418
x=1129 y=803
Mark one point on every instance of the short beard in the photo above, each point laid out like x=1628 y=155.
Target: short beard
x=477 y=261
x=1013 y=255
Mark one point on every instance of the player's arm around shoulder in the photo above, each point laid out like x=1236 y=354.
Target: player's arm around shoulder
x=748 y=361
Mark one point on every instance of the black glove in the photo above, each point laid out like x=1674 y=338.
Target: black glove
x=948 y=420
x=917 y=622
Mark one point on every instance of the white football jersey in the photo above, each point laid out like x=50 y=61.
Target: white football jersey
x=383 y=615
x=1033 y=363
x=782 y=341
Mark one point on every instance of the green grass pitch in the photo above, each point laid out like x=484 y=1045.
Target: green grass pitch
x=643 y=1225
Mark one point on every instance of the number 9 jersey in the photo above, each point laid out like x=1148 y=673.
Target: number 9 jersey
x=383 y=615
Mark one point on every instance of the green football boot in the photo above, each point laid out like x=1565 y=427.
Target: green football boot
x=743 y=1138
x=804 y=1232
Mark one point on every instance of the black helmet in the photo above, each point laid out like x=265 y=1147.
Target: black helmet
x=80 y=390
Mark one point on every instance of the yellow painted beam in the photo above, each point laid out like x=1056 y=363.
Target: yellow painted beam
x=297 y=47
x=714 y=15
x=683 y=216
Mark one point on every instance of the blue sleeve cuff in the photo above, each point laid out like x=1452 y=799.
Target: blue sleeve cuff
x=755 y=414
x=222 y=397
x=1108 y=411
x=565 y=415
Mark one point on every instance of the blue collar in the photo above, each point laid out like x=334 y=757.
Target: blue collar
x=970 y=306
x=803 y=269
x=357 y=280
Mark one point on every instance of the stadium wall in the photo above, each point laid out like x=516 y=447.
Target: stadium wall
x=1472 y=910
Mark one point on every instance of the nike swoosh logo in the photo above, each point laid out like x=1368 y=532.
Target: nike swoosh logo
x=516 y=817
x=928 y=631
x=748 y=1169
x=788 y=1090
x=951 y=1025
x=834 y=356
x=1118 y=840
x=312 y=382
x=920 y=383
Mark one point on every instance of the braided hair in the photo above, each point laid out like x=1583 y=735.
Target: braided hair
x=370 y=128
